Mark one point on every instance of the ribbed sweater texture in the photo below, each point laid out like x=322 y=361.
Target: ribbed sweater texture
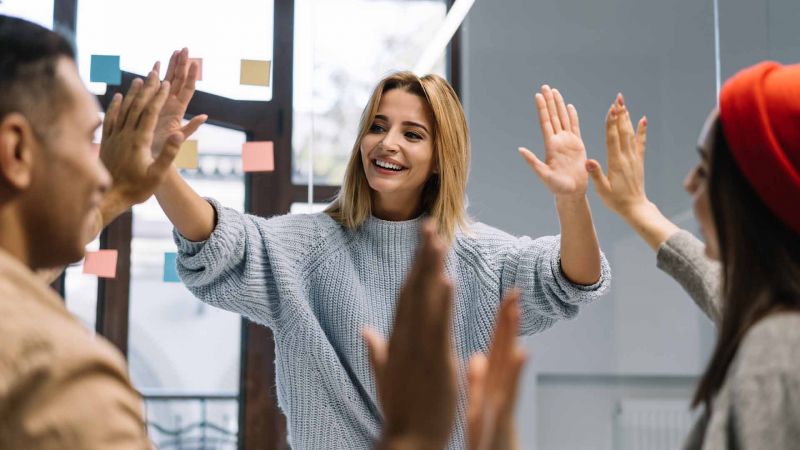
x=316 y=284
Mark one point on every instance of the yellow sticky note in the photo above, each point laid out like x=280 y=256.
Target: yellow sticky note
x=254 y=72
x=102 y=263
x=187 y=156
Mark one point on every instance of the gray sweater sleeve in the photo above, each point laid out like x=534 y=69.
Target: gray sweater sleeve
x=232 y=269
x=765 y=386
x=534 y=266
x=683 y=258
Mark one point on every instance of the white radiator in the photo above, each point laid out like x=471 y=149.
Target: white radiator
x=652 y=424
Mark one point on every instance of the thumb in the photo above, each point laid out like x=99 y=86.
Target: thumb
x=168 y=153
x=599 y=179
x=541 y=169
x=193 y=125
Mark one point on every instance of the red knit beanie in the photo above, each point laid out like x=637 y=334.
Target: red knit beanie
x=760 y=114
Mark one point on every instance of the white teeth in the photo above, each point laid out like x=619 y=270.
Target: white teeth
x=387 y=165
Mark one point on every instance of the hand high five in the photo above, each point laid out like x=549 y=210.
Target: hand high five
x=622 y=190
x=125 y=148
x=182 y=75
x=564 y=168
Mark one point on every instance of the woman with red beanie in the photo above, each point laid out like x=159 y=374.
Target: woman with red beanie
x=746 y=192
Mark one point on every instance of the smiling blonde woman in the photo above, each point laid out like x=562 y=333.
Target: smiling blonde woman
x=316 y=280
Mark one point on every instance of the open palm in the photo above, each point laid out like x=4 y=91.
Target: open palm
x=564 y=168
x=182 y=75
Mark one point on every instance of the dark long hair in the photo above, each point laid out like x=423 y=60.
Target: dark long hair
x=760 y=259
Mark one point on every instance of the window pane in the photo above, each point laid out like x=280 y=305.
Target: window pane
x=140 y=36
x=333 y=78
x=37 y=11
x=178 y=345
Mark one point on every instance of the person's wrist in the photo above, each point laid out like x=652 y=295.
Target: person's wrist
x=112 y=205
x=640 y=212
x=571 y=199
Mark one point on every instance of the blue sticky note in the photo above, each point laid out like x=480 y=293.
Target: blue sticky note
x=171 y=268
x=105 y=69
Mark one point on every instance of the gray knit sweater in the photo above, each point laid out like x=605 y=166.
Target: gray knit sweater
x=316 y=284
x=758 y=406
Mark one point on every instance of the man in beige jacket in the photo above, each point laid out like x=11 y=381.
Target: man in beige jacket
x=60 y=387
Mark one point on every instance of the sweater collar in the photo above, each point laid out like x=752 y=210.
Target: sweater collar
x=393 y=229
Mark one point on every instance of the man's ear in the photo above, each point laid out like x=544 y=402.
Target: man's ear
x=17 y=146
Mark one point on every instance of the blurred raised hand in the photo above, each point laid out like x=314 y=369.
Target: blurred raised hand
x=415 y=370
x=493 y=383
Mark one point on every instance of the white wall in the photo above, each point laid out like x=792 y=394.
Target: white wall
x=646 y=339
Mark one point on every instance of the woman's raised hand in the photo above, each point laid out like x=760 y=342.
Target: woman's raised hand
x=564 y=168
x=622 y=190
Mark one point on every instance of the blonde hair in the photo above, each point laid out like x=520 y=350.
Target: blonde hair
x=443 y=194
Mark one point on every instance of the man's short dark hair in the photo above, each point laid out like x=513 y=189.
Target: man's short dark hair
x=29 y=54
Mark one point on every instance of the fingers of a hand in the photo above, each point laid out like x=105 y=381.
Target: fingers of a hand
x=444 y=310
x=641 y=137
x=112 y=114
x=573 y=119
x=561 y=108
x=625 y=130
x=511 y=383
x=127 y=101
x=163 y=162
x=536 y=164
x=190 y=83
x=171 y=66
x=505 y=333
x=552 y=109
x=143 y=97
x=599 y=179
x=181 y=71
x=476 y=378
x=544 y=116
x=193 y=125
x=612 y=133
x=151 y=111
x=431 y=254
x=378 y=350
x=419 y=285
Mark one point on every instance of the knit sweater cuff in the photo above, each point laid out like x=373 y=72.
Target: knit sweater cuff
x=227 y=235
x=580 y=293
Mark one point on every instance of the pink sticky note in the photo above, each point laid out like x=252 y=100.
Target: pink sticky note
x=258 y=156
x=199 y=62
x=102 y=263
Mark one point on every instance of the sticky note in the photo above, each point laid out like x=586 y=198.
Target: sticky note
x=258 y=156
x=187 y=155
x=102 y=263
x=105 y=69
x=171 y=268
x=199 y=62
x=254 y=72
